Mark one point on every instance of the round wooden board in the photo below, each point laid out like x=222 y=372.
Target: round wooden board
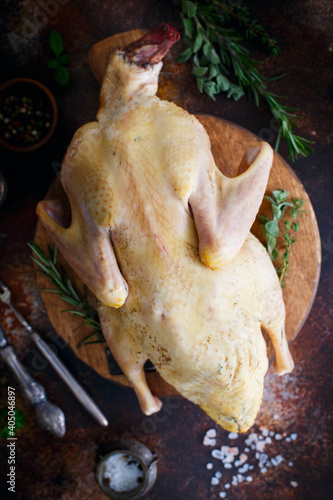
x=229 y=142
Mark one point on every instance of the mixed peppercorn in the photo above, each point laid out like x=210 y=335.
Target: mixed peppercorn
x=25 y=116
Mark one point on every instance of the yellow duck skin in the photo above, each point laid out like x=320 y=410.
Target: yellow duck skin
x=161 y=237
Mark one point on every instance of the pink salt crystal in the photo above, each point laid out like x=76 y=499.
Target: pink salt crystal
x=234 y=451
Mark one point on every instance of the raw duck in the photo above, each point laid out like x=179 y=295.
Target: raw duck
x=161 y=237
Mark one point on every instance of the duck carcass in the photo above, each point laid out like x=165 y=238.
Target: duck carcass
x=161 y=237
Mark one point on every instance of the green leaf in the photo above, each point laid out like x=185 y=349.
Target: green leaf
x=65 y=59
x=62 y=76
x=200 y=84
x=235 y=92
x=263 y=218
x=211 y=89
x=184 y=56
x=54 y=63
x=190 y=8
x=274 y=254
x=213 y=57
x=198 y=42
x=280 y=195
x=272 y=227
x=213 y=70
x=271 y=240
x=188 y=26
x=56 y=42
x=206 y=49
x=223 y=83
x=277 y=212
x=199 y=71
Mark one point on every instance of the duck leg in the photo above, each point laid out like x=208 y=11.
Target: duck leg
x=129 y=357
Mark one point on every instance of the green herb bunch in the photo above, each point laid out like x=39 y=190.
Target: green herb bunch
x=270 y=228
x=67 y=291
x=221 y=63
x=61 y=60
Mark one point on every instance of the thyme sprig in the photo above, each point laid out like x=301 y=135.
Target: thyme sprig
x=270 y=228
x=221 y=63
x=67 y=291
x=289 y=233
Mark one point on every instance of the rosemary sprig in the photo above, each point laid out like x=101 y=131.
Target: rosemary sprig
x=222 y=64
x=270 y=228
x=67 y=291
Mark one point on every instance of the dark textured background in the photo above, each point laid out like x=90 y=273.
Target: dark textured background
x=49 y=468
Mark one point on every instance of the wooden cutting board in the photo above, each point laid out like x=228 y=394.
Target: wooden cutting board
x=229 y=142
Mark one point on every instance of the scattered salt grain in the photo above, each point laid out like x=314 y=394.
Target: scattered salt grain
x=260 y=446
x=232 y=435
x=207 y=441
x=268 y=440
x=218 y=474
x=209 y=466
x=217 y=454
x=271 y=433
x=228 y=465
x=222 y=494
x=294 y=484
x=288 y=439
x=278 y=437
x=227 y=486
x=291 y=464
x=214 y=481
x=246 y=449
x=211 y=433
x=263 y=470
x=265 y=432
x=293 y=436
x=249 y=479
x=277 y=460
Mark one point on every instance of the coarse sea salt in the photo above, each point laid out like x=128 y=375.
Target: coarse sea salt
x=122 y=472
x=209 y=466
x=211 y=433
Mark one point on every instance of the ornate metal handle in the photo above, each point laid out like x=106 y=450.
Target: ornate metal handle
x=49 y=416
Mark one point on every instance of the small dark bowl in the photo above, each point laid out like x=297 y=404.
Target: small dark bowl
x=20 y=87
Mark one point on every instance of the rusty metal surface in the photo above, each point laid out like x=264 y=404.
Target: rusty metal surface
x=301 y=403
